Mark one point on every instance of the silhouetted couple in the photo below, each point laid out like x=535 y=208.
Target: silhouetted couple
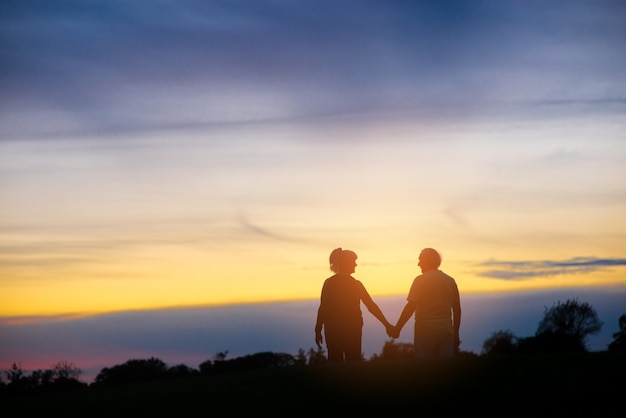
x=433 y=298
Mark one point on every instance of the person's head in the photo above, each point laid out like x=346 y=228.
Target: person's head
x=429 y=259
x=342 y=261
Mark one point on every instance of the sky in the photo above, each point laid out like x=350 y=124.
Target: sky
x=181 y=154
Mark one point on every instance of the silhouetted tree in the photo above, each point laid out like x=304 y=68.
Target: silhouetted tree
x=219 y=361
x=619 y=338
x=63 y=376
x=181 y=370
x=301 y=357
x=569 y=323
x=206 y=367
x=564 y=327
x=263 y=360
x=548 y=341
x=210 y=366
x=133 y=370
x=317 y=356
x=66 y=370
x=466 y=354
x=396 y=350
x=18 y=381
x=15 y=373
x=44 y=377
x=500 y=342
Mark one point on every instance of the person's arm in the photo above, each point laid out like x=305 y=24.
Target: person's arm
x=318 y=327
x=456 y=321
x=410 y=306
x=320 y=319
x=408 y=310
x=375 y=310
x=456 y=318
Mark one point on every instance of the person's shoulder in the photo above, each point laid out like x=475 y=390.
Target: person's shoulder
x=448 y=278
x=353 y=279
x=429 y=274
x=359 y=287
x=417 y=281
x=330 y=279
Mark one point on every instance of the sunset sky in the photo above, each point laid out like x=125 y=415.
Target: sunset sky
x=186 y=153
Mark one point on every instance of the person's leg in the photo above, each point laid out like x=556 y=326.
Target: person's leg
x=445 y=346
x=425 y=346
x=334 y=348
x=352 y=345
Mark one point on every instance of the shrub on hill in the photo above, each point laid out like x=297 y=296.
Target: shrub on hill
x=63 y=376
x=395 y=350
x=262 y=360
x=501 y=342
x=133 y=370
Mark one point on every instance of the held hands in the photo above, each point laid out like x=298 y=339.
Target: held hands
x=392 y=331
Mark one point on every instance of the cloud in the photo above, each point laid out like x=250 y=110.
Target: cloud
x=522 y=270
x=46 y=246
x=257 y=230
x=111 y=67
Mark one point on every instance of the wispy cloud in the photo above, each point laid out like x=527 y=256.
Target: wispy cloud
x=41 y=245
x=522 y=270
x=257 y=230
x=87 y=67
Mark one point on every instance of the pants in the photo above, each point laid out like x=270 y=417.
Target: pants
x=434 y=346
x=344 y=346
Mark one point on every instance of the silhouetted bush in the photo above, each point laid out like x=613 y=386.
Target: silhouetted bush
x=501 y=342
x=206 y=367
x=395 y=350
x=301 y=359
x=133 y=370
x=316 y=356
x=63 y=376
x=62 y=384
x=181 y=370
x=551 y=342
x=19 y=381
x=466 y=354
x=66 y=370
x=263 y=360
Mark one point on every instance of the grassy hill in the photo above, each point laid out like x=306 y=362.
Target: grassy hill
x=576 y=384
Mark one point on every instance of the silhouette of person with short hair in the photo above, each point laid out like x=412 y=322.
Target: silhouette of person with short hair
x=339 y=313
x=434 y=298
